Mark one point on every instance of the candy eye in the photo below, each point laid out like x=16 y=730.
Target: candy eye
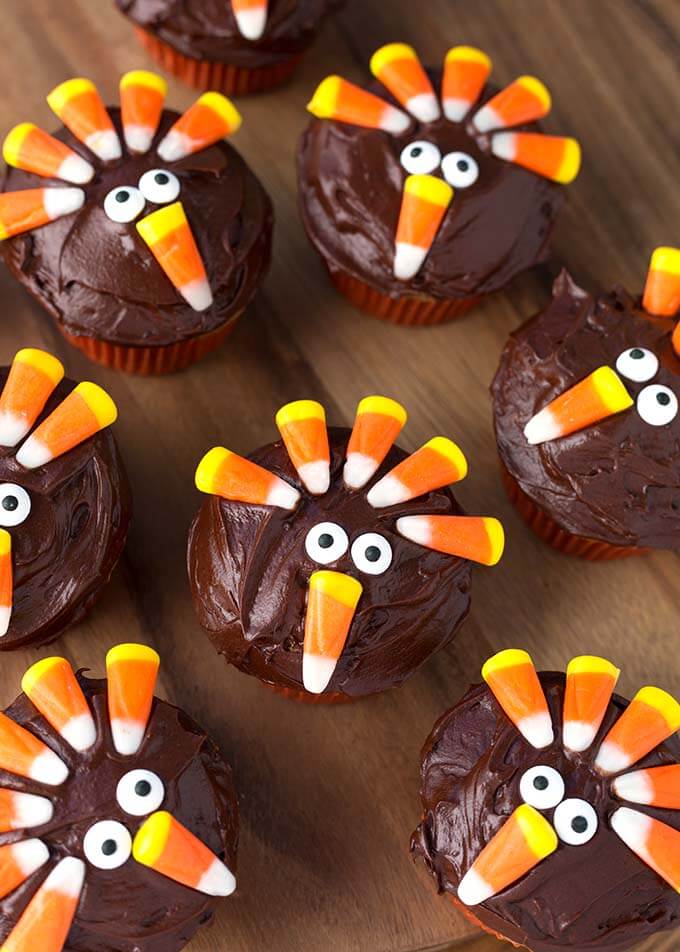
x=159 y=186
x=460 y=169
x=15 y=505
x=420 y=158
x=371 y=553
x=326 y=542
x=124 y=204
x=637 y=364
x=541 y=787
x=107 y=844
x=140 y=792
x=657 y=405
x=575 y=822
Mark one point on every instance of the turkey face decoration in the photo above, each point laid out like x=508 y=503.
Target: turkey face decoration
x=118 y=819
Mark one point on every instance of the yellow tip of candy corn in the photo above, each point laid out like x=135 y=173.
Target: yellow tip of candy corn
x=388 y=54
x=144 y=77
x=224 y=108
x=496 y=534
x=570 y=165
x=132 y=652
x=452 y=452
x=469 y=54
x=510 y=658
x=5 y=542
x=42 y=361
x=662 y=702
x=323 y=102
x=151 y=838
x=611 y=390
x=300 y=410
x=591 y=664
x=156 y=226
x=665 y=259
x=14 y=140
x=37 y=671
x=343 y=588
x=99 y=402
x=68 y=90
x=538 y=833
x=384 y=406
x=538 y=89
x=208 y=468
x=430 y=189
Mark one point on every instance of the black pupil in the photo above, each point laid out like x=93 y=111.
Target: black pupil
x=416 y=151
x=637 y=354
x=579 y=824
x=541 y=783
x=109 y=847
x=462 y=165
x=161 y=178
x=10 y=503
x=663 y=399
x=122 y=196
x=372 y=553
x=325 y=540
x=142 y=788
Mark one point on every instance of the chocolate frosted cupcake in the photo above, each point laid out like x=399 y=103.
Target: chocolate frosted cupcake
x=551 y=807
x=418 y=214
x=162 y=237
x=64 y=499
x=237 y=46
x=586 y=415
x=331 y=565
x=118 y=818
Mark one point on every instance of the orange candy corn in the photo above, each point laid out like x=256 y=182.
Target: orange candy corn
x=251 y=17
x=18 y=861
x=662 y=289
x=85 y=411
x=466 y=71
x=20 y=811
x=6 y=583
x=29 y=148
x=477 y=538
x=171 y=241
x=131 y=671
x=514 y=683
x=24 y=755
x=377 y=424
x=438 y=463
x=167 y=847
x=423 y=206
x=303 y=428
x=651 y=717
x=655 y=787
x=223 y=473
x=557 y=158
x=32 y=378
x=656 y=843
x=600 y=395
x=35 y=207
x=52 y=687
x=676 y=339
x=333 y=599
x=398 y=68
x=524 y=840
x=523 y=101
x=46 y=920
x=590 y=685
x=337 y=99
x=211 y=118
x=78 y=104
x=142 y=95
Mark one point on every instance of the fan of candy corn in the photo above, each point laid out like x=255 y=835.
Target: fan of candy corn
x=528 y=837
x=161 y=842
x=78 y=105
x=334 y=596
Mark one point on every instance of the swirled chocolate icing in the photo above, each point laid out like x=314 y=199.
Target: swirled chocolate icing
x=249 y=574
x=598 y=896
x=131 y=907
x=619 y=480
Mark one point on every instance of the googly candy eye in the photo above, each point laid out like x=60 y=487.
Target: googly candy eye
x=637 y=364
x=460 y=169
x=542 y=787
x=657 y=405
x=107 y=844
x=421 y=157
x=140 y=792
x=159 y=186
x=326 y=543
x=124 y=203
x=372 y=553
x=575 y=822
x=15 y=504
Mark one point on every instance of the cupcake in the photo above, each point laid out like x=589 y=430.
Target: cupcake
x=236 y=46
x=428 y=190
x=118 y=818
x=64 y=499
x=149 y=255
x=586 y=417
x=551 y=807
x=331 y=565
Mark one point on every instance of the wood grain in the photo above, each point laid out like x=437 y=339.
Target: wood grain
x=329 y=797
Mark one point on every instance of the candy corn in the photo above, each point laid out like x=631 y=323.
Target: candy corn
x=337 y=99
x=303 y=428
x=514 y=683
x=211 y=118
x=466 y=70
x=6 y=583
x=46 y=920
x=438 y=463
x=477 y=538
x=333 y=599
x=662 y=289
x=35 y=207
x=32 y=378
x=29 y=148
x=18 y=861
x=650 y=718
x=601 y=395
x=85 y=411
x=52 y=687
x=223 y=473
x=524 y=840
x=20 y=811
x=557 y=158
x=423 y=206
x=676 y=339
x=131 y=671
x=142 y=95
x=251 y=17
x=398 y=68
x=590 y=685
x=171 y=241
x=523 y=101
x=377 y=424
x=78 y=104
x=655 y=787
x=24 y=755
x=656 y=843
x=167 y=847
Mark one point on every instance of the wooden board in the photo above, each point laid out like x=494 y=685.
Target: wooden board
x=329 y=797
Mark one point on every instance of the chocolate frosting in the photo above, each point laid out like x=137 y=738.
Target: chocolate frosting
x=131 y=908
x=618 y=481
x=249 y=574
x=598 y=896
x=64 y=552
x=98 y=278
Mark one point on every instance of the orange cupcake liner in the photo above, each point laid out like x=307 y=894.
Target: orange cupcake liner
x=304 y=697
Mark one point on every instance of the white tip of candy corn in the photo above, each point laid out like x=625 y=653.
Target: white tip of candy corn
x=542 y=427
x=317 y=672
x=408 y=260
x=63 y=201
x=611 y=758
x=197 y=294
x=456 y=110
x=173 y=147
x=632 y=827
x=537 y=729
x=634 y=787
x=31 y=811
x=12 y=428
x=473 y=889
x=577 y=735
x=251 y=23
x=127 y=736
x=48 y=768
x=217 y=880
x=424 y=107
x=5 y=618
x=394 y=121
x=358 y=470
x=105 y=144
x=75 y=169
x=388 y=492
x=67 y=877
x=80 y=732
x=30 y=855
x=33 y=454
x=283 y=496
x=138 y=138
x=316 y=476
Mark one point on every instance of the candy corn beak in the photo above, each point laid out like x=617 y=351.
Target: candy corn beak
x=337 y=99
x=251 y=17
x=377 y=424
x=398 y=68
x=599 y=396
x=438 y=463
x=6 y=583
x=590 y=685
x=131 y=672
x=514 y=683
x=650 y=718
x=34 y=207
x=332 y=604
x=477 y=538
x=45 y=922
x=32 y=378
x=24 y=755
x=18 y=861
x=29 y=148
x=142 y=95
x=226 y=474
x=655 y=787
x=302 y=425
x=424 y=204
x=656 y=843
x=167 y=847
x=52 y=687
x=662 y=289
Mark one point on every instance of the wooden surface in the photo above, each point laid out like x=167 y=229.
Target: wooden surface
x=329 y=797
